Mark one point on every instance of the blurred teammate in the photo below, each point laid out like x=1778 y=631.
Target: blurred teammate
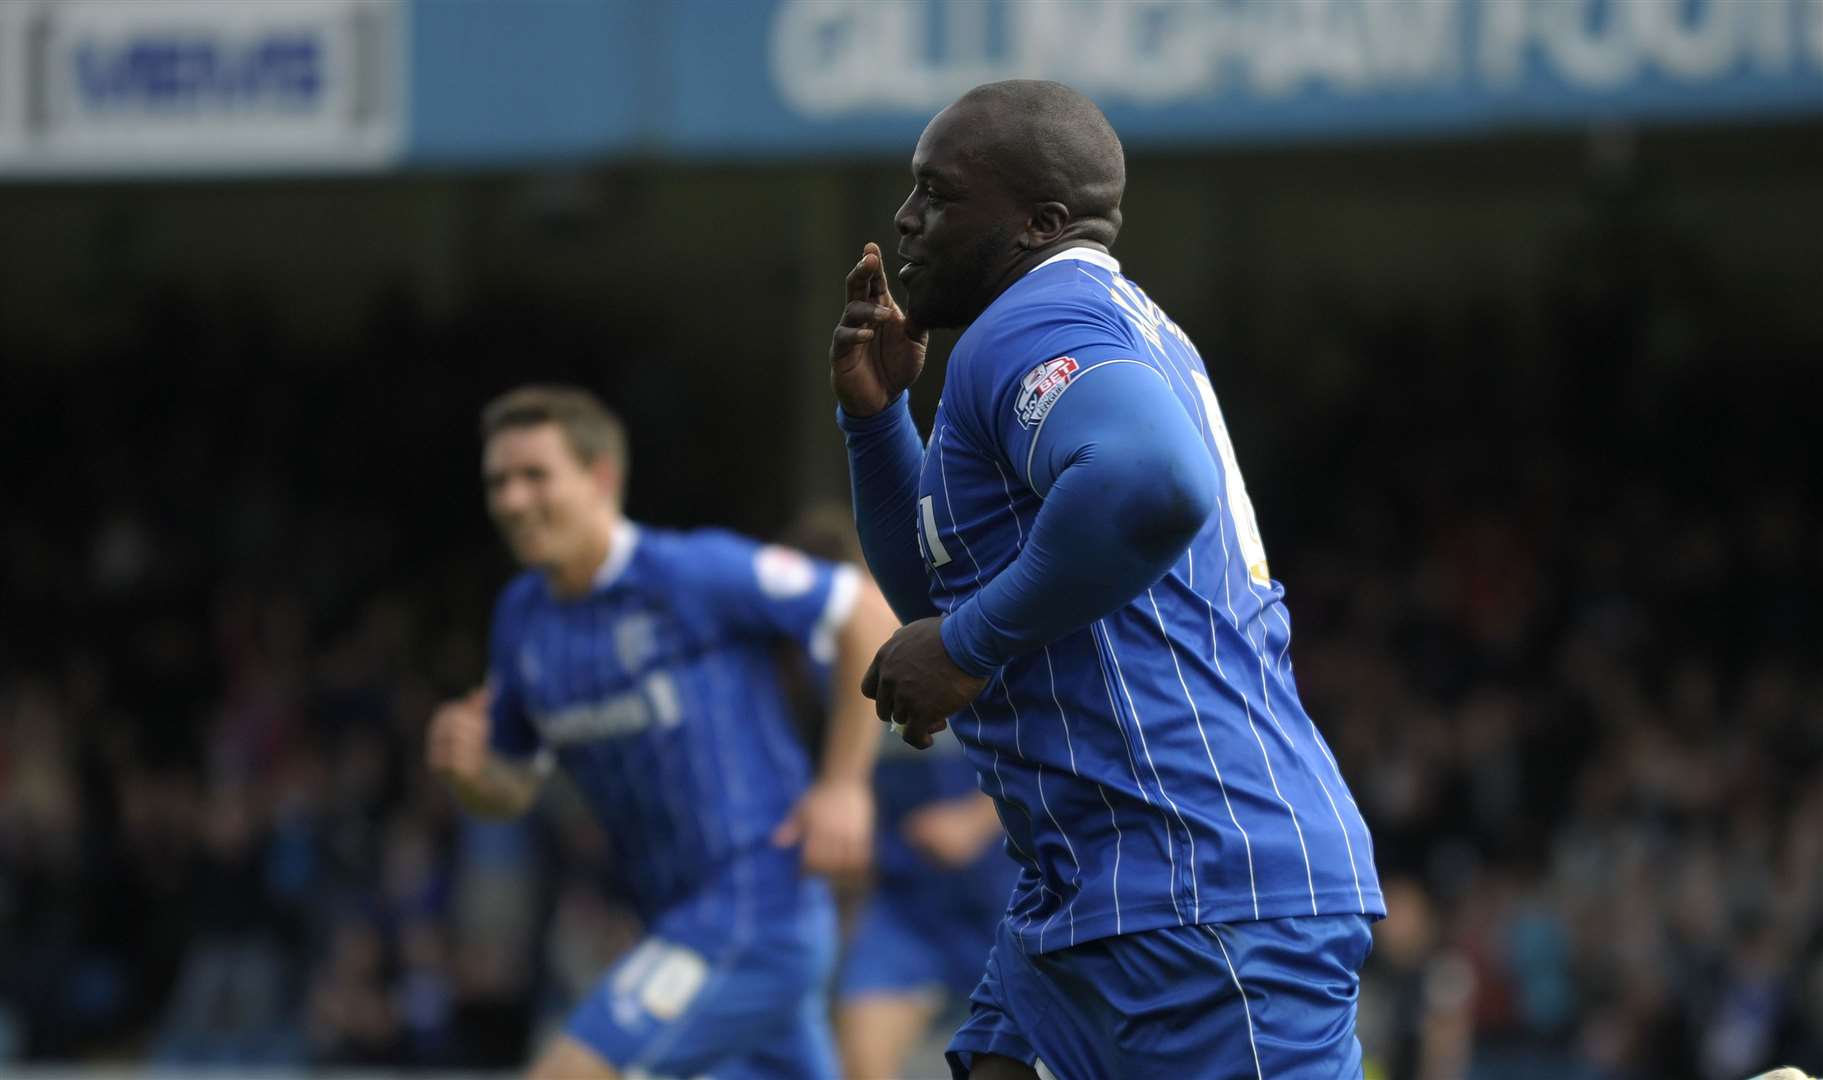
x=640 y=660
x=1087 y=599
x=941 y=884
x=941 y=881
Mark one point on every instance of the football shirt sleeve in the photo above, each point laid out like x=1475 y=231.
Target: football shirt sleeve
x=1127 y=483
x=510 y=730
x=1018 y=409
x=884 y=456
x=767 y=590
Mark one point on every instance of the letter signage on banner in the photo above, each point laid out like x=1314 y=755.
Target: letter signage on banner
x=1175 y=72
x=834 y=57
x=127 y=86
x=122 y=86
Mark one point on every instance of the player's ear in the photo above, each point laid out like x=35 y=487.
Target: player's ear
x=608 y=476
x=1046 y=225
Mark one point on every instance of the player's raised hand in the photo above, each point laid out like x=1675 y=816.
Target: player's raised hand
x=876 y=350
x=457 y=745
x=913 y=682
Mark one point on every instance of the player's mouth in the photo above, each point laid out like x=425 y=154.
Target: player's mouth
x=911 y=269
x=523 y=533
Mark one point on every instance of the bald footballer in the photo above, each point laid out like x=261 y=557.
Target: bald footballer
x=1088 y=606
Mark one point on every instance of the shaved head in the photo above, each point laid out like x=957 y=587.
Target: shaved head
x=1049 y=143
x=1006 y=177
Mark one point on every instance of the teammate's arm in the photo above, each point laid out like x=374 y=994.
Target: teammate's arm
x=954 y=832
x=853 y=740
x=874 y=354
x=485 y=783
x=835 y=818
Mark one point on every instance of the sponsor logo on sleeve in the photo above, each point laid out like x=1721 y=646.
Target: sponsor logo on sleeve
x=782 y=572
x=1041 y=388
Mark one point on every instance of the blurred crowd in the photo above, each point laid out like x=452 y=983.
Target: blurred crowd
x=1585 y=720
x=239 y=576
x=1557 y=608
x=1561 y=616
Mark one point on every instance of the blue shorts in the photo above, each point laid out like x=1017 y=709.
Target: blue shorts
x=1230 y=1001
x=904 y=945
x=704 y=997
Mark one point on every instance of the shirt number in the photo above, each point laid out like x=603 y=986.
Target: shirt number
x=659 y=978
x=1240 y=507
x=927 y=517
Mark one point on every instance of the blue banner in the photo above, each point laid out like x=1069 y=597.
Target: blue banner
x=787 y=78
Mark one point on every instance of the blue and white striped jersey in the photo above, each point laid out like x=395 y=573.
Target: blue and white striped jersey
x=659 y=695
x=1154 y=768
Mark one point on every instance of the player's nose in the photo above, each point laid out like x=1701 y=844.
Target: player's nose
x=905 y=220
x=511 y=498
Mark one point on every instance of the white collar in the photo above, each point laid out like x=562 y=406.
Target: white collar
x=1082 y=254
x=620 y=553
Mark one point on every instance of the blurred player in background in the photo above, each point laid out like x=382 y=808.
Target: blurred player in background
x=941 y=881
x=941 y=886
x=1088 y=596
x=641 y=661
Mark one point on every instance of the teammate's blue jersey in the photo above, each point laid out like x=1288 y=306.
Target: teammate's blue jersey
x=906 y=781
x=926 y=926
x=658 y=693
x=1154 y=768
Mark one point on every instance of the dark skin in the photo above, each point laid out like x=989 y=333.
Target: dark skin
x=966 y=236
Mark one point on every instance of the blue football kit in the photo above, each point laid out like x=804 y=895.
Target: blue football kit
x=658 y=695
x=1196 y=881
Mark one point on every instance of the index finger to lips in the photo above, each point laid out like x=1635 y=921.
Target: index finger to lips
x=877 y=287
x=860 y=279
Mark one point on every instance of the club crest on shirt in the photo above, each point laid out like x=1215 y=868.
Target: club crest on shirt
x=636 y=641
x=1041 y=388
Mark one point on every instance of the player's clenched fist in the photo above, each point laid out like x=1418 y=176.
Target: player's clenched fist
x=457 y=747
x=914 y=683
x=876 y=350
